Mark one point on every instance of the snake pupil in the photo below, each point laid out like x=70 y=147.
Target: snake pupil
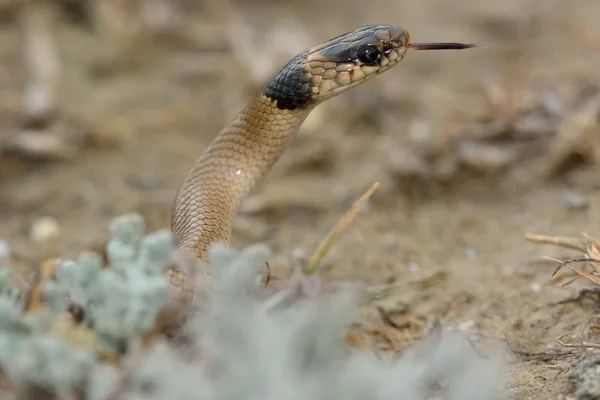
x=368 y=54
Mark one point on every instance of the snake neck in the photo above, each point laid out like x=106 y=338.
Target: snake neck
x=240 y=155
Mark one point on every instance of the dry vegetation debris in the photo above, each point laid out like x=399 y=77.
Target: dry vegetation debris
x=552 y=130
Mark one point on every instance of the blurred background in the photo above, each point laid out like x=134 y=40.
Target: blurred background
x=105 y=104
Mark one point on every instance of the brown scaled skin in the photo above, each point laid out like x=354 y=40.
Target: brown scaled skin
x=244 y=151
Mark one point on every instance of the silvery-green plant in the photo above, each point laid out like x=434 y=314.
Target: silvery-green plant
x=121 y=302
x=241 y=346
x=33 y=359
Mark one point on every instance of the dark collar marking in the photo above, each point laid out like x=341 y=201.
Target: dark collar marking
x=290 y=88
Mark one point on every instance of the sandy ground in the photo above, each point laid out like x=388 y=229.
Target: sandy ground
x=134 y=113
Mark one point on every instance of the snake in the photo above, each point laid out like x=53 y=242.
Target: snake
x=246 y=149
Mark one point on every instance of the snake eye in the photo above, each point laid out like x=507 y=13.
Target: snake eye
x=368 y=54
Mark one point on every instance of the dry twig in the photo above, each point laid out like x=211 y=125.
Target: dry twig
x=337 y=230
x=590 y=247
x=562 y=241
x=582 y=344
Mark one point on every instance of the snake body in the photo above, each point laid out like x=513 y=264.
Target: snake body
x=244 y=151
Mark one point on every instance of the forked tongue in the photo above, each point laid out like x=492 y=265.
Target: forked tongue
x=442 y=46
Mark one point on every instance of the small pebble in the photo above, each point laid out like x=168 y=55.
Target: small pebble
x=4 y=250
x=485 y=157
x=536 y=287
x=413 y=267
x=466 y=326
x=40 y=145
x=471 y=252
x=38 y=101
x=420 y=131
x=575 y=201
x=44 y=229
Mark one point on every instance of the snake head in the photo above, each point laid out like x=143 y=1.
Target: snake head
x=349 y=60
x=337 y=65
